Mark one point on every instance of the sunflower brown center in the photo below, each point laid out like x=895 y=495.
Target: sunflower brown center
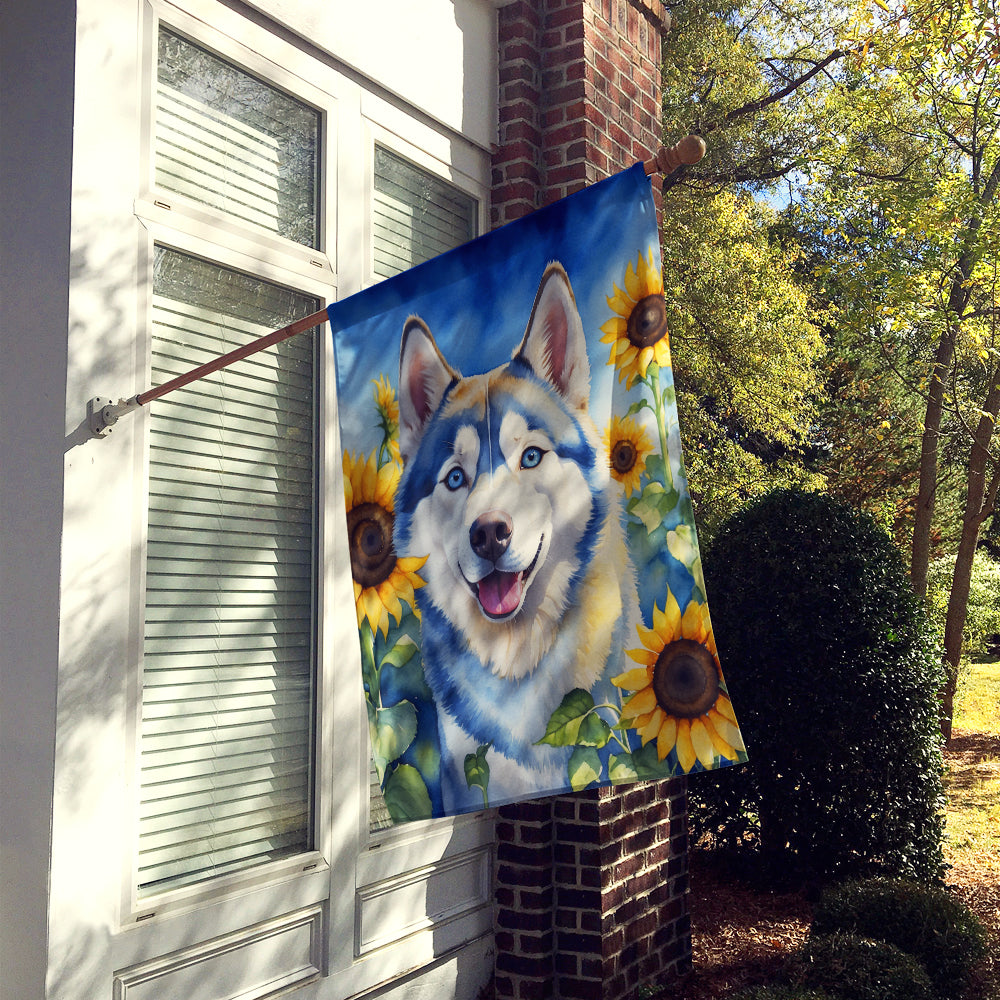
x=647 y=322
x=369 y=534
x=623 y=456
x=685 y=679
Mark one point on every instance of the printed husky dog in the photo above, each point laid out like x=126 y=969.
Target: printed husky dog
x=529 y=591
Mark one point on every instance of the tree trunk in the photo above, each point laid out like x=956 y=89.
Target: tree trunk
x=958 y=299
x=979 y=500
x=920 y=553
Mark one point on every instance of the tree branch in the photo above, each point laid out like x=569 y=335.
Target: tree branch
x=754 y=106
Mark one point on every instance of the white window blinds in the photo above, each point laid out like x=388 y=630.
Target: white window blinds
x=228 y=679
x=416 y=215
x=228 y=674
x=230 y=141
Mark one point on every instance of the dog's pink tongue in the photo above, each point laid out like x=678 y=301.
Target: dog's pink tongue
x=499 y=593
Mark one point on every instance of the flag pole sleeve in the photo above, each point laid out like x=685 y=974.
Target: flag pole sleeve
x=668 y=158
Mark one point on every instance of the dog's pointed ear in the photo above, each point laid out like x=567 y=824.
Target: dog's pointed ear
x=424 y=377
x=554 y=344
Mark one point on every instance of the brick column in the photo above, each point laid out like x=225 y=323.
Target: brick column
x=591 y=889
x=579 y=96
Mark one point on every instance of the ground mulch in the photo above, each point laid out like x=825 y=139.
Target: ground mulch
x=742 y=934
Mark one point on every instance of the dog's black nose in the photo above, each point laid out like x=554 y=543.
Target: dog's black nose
x=490 y=534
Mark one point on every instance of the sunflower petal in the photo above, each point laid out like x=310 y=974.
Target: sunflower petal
x=661 y=352
x=651 y=728
x=686 y=755
x=641 y=702
x=667 y=737
x=725 y=708
x=695 y=623
x=632 y=680
x=389 y=597
x=668 y=622
x=701 y=740
x=726 y=730
x=633 y=283
x=620 y=303
x=372 y=605
x=642 y=362
x=369 y=478
x=410 y=564
x=644 y=656
x=719 y=744
x=650 y=276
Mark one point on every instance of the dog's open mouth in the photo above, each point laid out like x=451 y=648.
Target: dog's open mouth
x=500 y=593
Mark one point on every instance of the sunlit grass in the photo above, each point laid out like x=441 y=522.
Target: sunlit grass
x=973 y=786
x=977 y=704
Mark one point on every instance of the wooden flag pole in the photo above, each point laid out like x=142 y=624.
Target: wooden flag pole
x=103 y=413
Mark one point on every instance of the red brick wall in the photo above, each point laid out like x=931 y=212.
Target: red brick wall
x=579 y=96
x=591 y=889
x=591 y=893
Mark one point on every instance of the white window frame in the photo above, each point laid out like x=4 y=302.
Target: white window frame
x=177 y=223
x=352 y=874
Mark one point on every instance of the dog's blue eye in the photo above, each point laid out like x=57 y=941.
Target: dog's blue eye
x=531 y=457
x=455 y=479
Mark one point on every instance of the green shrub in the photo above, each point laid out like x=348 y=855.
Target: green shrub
x=857 y=968
x=926 y=922
x=834 y=674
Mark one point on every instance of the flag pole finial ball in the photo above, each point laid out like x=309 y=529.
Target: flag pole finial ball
x=688 y=151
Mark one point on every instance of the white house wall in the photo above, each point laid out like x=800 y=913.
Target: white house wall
x=428 y=53
x=72 y=327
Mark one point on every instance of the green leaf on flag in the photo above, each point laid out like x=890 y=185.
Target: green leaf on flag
x=394 y=730
x=401 y=652
x=648 y=765
x=477 y=771
x=621 y=769
x=575 y=723
x=406 y=795
x=654 y=503
x=584 y=768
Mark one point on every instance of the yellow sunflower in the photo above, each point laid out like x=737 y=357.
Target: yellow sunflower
x=381 y=580
x=385 y=400
x=678 y=697
x=637 y=332
x=628 y=447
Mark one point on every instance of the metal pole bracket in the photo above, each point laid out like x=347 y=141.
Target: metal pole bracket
x=103 y=413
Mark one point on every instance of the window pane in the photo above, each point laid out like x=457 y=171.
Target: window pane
x=417 y=215
x=228 y=679
x=228 y=140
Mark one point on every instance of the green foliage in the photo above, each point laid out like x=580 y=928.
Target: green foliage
x=834 y=674
x=724 y=59
x=983 y=611
x=857 y=968
x=746 y=353
x=926 y=922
